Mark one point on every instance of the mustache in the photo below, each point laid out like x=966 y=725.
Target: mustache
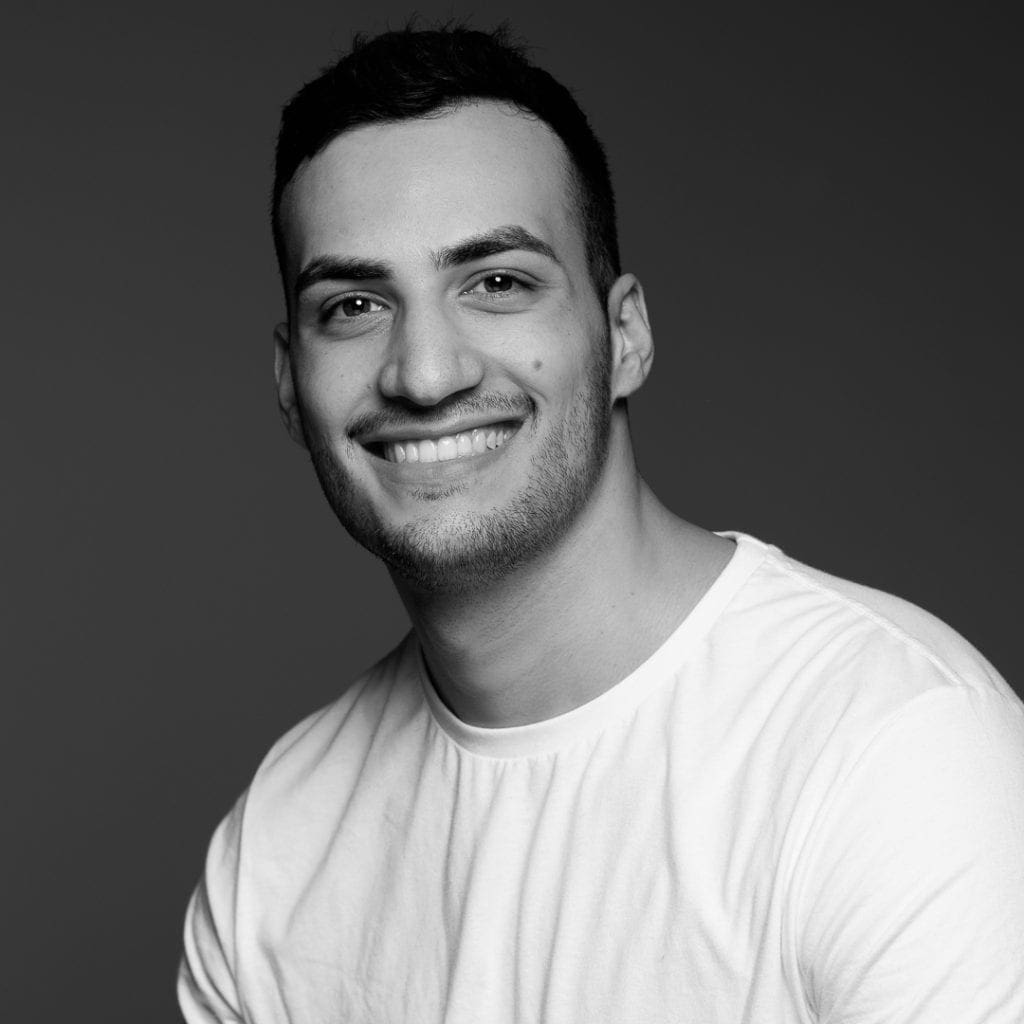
x=502 y=406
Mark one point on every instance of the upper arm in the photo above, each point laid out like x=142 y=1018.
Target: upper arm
x=911 y=904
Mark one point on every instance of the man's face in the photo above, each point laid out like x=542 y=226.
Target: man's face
x=447 y=359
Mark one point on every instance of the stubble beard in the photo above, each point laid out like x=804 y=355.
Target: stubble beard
x=475 y=549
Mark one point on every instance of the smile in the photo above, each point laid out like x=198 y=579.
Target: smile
x=463 y=445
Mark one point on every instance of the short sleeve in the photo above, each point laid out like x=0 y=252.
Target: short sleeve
x=911 y=903
x=206 y=981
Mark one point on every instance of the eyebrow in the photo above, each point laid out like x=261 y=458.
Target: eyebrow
x=508 y=238
x=340 y=268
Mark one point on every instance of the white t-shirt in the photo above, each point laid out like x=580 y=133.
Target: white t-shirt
x=806 y=806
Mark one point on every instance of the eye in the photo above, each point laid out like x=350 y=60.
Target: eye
x=356 y=305
x=499 y=282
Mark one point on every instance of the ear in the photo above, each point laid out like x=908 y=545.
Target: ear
x=631 y=338
x=632 y=342
x=286 y=385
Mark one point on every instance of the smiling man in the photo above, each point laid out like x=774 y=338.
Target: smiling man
x=622 y=768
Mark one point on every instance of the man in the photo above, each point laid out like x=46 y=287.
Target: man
x=621 y=769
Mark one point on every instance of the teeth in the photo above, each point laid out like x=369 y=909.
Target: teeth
x=455 y=446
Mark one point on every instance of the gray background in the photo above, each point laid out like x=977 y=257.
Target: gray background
x=823 y=206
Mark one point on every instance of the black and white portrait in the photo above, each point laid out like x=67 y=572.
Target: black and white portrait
x=513 y=515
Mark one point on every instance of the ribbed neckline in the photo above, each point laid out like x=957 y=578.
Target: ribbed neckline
x=552 y=734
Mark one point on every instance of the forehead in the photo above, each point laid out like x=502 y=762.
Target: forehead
x=403 y=189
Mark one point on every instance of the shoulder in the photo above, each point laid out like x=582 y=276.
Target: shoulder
x=896 y=753
x=351 y=749
x=857 y=633
x=336 y=740
x=822 y=673
x=908 y=870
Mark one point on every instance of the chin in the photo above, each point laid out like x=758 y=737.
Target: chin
x=466 y=554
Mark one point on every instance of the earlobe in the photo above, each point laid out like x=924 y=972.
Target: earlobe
x=286 y=385
x=631 y=337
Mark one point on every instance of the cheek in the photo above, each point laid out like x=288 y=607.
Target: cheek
x=557 y=381
x=329 y=391
x=556 y=345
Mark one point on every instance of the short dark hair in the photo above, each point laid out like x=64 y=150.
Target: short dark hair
x=411 y=73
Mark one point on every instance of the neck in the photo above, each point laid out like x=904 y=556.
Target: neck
x=564 y=628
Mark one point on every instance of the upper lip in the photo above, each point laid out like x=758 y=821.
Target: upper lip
x=422 y=432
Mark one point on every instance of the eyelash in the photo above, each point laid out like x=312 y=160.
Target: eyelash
x=518 y=280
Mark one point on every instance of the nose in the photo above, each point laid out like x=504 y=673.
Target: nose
x=428 y=359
